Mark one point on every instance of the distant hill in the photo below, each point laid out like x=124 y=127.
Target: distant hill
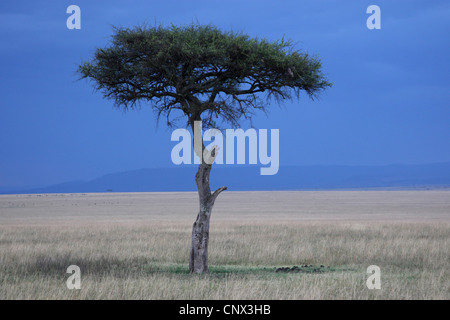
x=248 y=178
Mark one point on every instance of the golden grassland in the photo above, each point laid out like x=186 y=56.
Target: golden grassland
x=136 y=245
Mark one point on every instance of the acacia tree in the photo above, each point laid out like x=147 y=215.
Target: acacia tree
x=200 y=73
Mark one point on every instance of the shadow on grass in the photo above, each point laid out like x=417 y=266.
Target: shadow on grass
x=239 y=270
x=141 y=266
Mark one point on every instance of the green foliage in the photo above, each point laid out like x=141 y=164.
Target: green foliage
x=200 y=70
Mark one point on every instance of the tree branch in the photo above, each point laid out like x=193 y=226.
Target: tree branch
x=216 y=193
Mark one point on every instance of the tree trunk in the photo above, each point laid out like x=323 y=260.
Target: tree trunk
x=198 y=259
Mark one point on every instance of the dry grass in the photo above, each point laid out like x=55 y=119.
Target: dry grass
x=135 y=246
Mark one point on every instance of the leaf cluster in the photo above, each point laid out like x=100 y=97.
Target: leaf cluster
x=201 y=71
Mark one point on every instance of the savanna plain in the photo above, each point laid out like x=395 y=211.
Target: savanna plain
x=136 y=245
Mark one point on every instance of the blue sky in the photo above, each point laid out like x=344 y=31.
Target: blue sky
x=389 y=103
